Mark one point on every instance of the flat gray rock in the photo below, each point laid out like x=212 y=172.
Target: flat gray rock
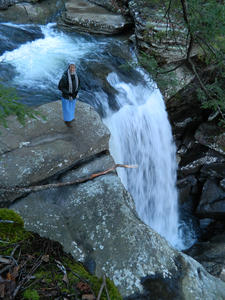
x=44 y=148
x=84 y=16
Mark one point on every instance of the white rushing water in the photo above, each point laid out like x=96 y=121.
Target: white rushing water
x=42 y=61
x=141 y=134
x=140 y=130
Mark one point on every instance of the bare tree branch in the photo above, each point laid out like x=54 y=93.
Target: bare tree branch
x=61 y=184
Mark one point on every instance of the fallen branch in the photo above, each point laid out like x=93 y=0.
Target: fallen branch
x=101 y=289
x=37 y=188
x=27 y=278
x=7 y=221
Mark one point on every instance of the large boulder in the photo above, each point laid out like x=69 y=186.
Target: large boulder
x=45 y=147
x=30 y=11
x=211 y=136
x=216 y=170
x=84 y=16
x=196 y=158
x=4 y=4
x=185 y=112
x=186 y=187
x=212 y=202
x=97 y=223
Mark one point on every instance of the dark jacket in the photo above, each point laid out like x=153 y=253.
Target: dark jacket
x=63 y=86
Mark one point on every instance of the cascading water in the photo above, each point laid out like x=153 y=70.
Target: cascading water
x=38 y=64
x=140 y=131
x=141 y=134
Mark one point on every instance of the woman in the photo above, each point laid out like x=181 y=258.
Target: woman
x=69 y=85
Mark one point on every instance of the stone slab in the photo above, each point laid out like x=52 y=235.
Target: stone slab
x=88 y=17
x=44 y=148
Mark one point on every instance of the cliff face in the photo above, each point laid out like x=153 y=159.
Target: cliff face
x=199 y=139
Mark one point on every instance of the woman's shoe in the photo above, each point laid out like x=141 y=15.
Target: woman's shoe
x=68 y=124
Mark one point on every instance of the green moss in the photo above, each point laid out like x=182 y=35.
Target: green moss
x=45 y=275
x=94 y=281
x=48 y=276
x=8 y=214
x=31 y=295
x=13 y=229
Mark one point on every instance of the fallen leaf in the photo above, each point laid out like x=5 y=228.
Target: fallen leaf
x=83 y=287
x=8 y=276
x=12 y=275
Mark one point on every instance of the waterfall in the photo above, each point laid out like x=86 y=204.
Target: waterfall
x=141 y=134
x=140 y=131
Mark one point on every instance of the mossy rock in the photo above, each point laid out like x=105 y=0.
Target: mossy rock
x=76 y=274
x=11 y=226
x=46 y=263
